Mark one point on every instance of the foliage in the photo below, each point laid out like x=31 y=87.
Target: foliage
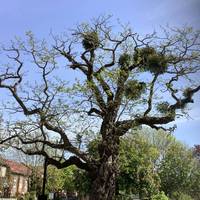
x=175 y=170
x=186 y=92
x=60 y=179
x=151 y=60
x=82 y=182
x=178 y=167
x=160 y=196
x=137 y=175
x=196 y=152
x=163 y=107
x=125 y=60
x=134 y=89
x=36 y=180
x=90 y=40
x=181 y=196
x=30 y=196
x=194 y=180
x=151 y=161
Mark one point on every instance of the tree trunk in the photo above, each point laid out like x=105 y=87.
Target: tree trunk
x=104 y=178
x=104 y=185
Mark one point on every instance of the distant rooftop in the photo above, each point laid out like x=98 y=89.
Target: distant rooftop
x=15 y=167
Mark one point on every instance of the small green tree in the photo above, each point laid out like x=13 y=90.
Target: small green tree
x=178 y=166
x=61 y=179
x=175 y=170
x=137 y=171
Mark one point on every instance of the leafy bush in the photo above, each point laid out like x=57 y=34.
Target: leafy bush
x=181 y=196
x=27 y=196
x=160 y=196
x=32 y=195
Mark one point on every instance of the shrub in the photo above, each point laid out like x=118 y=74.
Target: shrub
x=160 y=196
x=181 y=196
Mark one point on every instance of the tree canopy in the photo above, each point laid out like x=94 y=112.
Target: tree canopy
x=127 y=81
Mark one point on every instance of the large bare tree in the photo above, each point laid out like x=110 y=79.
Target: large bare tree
x=125 y=81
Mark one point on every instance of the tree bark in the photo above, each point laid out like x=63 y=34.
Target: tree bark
x=104 y=185
x=104 y=179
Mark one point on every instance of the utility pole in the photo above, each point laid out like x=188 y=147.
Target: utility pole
x=43 y=196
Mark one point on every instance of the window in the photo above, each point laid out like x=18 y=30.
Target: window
x=2 y=171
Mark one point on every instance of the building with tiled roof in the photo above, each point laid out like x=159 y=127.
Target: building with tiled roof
x=13 y=178
x=17 y=168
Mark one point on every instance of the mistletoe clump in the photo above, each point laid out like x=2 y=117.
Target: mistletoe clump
x=151 y=60
x=163 y=107
x=125 y=60
x=187 y=93
x=134 y=89
x=141 y=55
x=90 y=40
x=157 y=64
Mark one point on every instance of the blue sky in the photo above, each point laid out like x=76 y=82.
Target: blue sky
x=41 y=16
